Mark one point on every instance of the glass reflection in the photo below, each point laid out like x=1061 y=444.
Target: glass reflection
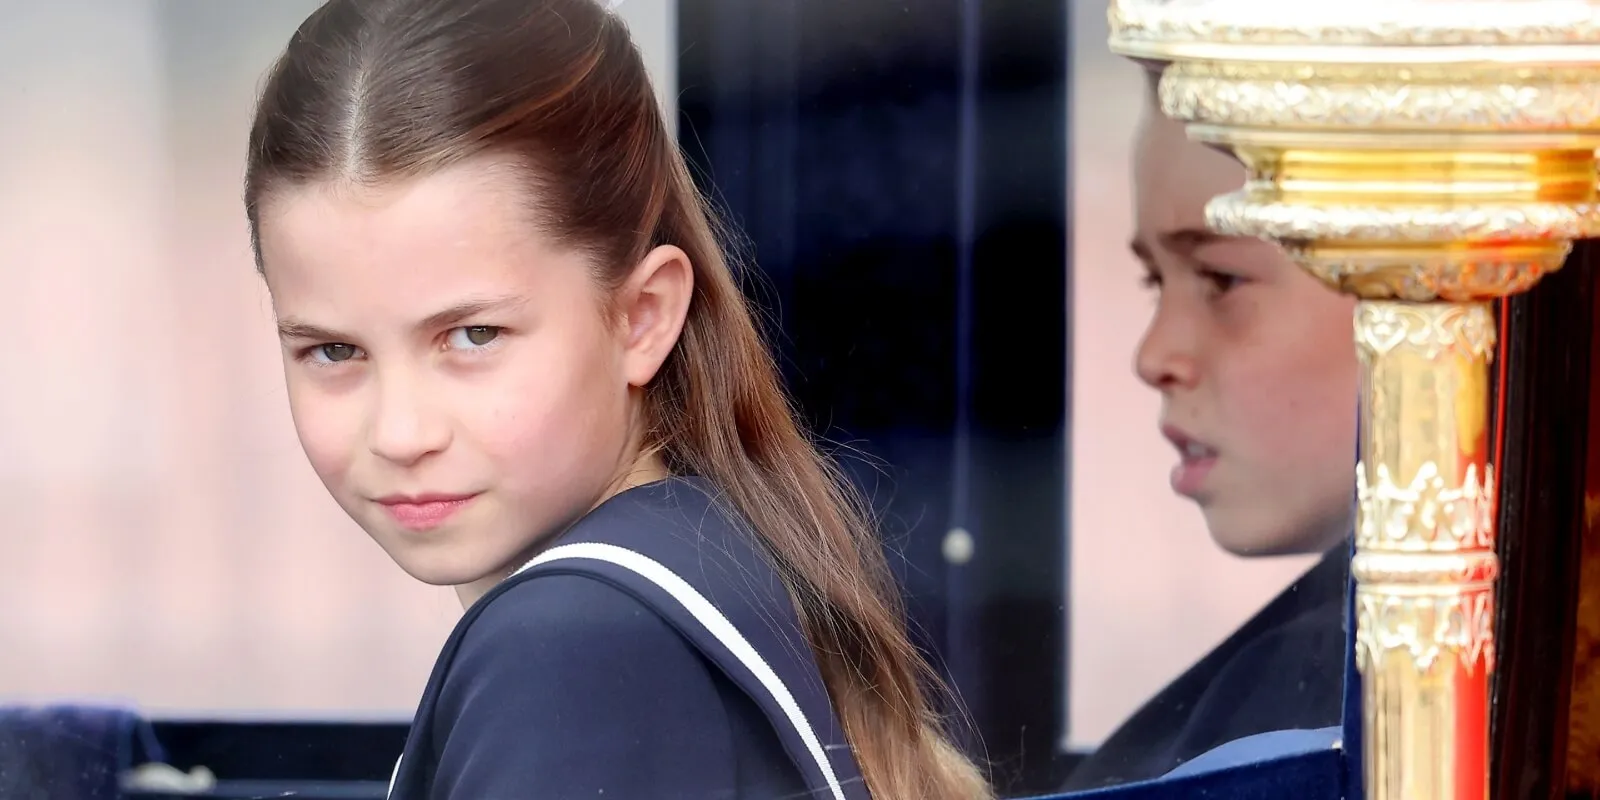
x=1257 y=378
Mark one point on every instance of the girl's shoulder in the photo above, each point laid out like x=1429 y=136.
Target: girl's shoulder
x=682 y=530
x=574 y=687
x=650 y=629
x=681 y=549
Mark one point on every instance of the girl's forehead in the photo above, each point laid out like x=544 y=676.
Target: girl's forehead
x=431 y=235
x=450 y=208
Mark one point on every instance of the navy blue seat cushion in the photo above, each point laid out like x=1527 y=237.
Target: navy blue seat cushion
x=1305 y=765
x=69 y=752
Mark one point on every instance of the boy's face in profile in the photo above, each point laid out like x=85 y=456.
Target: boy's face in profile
x=1252 y=356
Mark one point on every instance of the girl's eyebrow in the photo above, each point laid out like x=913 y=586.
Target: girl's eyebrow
x=293 y=328
x=466 y=309
x=290 y=328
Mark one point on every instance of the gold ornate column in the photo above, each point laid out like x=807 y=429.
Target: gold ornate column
x=1428 y=157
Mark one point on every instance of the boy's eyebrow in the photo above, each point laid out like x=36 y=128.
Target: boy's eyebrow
x=295 y=328
x=1182 y=241
x=1186 y=240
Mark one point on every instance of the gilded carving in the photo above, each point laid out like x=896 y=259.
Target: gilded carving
x=1427 y=512
x=1454 y=569
x=1418 y=281
x=1352 y=23
x=1465 y=330
x=1247 y=214
x=1404 y=253
x=1426 y=629
x=1396 y=98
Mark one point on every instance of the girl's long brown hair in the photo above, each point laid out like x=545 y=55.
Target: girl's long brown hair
x=376 y=91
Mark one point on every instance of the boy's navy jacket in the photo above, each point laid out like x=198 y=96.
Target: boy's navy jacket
x=651 y=652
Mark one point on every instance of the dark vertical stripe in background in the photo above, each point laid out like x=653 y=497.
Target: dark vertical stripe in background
x=899 y=172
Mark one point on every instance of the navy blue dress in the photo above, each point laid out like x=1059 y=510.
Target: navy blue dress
x=651 y=652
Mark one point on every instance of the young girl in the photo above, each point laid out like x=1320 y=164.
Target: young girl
x=1258 y=375
x=517 y=358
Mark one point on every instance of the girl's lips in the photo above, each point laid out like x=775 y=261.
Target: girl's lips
x=424 y=512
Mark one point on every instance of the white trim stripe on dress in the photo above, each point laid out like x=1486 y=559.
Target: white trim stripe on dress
x=394 y=776
x=714 y=622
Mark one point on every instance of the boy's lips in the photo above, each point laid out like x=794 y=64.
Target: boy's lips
x=1196 y=460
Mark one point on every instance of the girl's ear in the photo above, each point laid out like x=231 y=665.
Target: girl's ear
x=654 y=302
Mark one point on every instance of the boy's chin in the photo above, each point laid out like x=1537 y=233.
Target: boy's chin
x=1250 y=535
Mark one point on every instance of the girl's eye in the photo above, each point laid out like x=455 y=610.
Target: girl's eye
x=1150 y=280
x=473 y=337
x=333 y=353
